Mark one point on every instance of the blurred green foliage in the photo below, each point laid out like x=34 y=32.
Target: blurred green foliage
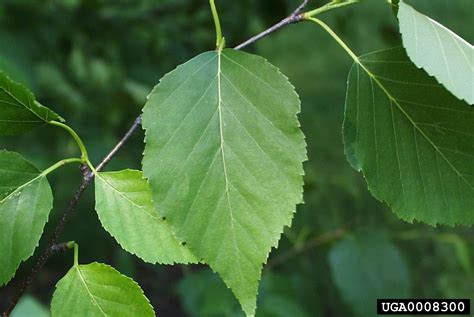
x=366 y=266
x=30 y=307
x=95 y=61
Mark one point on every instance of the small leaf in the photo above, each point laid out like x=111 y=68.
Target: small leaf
x=98 y=290
x=413 y=140
x=24 y=210
x=439 y=51
x=19 y=111
x=366 y=266
x=223 y=156
x=125 y=209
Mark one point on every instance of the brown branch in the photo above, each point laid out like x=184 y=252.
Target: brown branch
x=62 y=247
x=50 y=249
x=88 y=175
x=133 y=128
x=294 y=17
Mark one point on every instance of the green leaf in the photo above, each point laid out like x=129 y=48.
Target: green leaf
x=14 y=172
x=224 y=157
x=97 y=289
x=366 y=266
x=413 y=140
x=19 y=111
x=125 y=209
x=24 y=210
x=439 y=51
x=28 y=306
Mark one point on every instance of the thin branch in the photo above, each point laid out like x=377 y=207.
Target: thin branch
x=294 y=17
x=51 y=247
x=133 y=128
x=88 y=175
x=301 y=7
x=62 y=247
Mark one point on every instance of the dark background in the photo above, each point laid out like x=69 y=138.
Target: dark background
x=94 y=62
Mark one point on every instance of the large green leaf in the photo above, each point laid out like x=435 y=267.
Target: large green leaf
x=224 y=157
x=366 y=266
x=413 y=140
x=97 y=289
x=125 y=209
x=19 y=111
x=439 y=51
x=24 y=209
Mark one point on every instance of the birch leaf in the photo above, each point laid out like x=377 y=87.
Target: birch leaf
x=125 y=209
x=439 y=51
x=97 y=289
x=19 y=110
x=412 y=139
x=223 y=156
x=26 y=200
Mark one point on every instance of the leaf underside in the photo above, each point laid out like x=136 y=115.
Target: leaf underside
x=223 y=156
x=19 y=111
x=439 y=51
x=413 y=140
x=26 y=200
x=125 y=209
x=97 y=289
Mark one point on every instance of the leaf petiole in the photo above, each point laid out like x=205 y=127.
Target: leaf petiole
x=338 y=40
x=76 y=137
x=76 y=254
x=328 y=7
x=59 y=164
x=44 y=173
x=219 y=39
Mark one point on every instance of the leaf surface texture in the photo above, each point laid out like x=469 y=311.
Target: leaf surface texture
x=439 y=51
x=26 y=200
x=19 y=111
x=97 y=289
x=223 y=156
x=125 y=209
x=413 y=140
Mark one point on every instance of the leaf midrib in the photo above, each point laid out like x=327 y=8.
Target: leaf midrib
x=83 y=280
x=221 y=131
